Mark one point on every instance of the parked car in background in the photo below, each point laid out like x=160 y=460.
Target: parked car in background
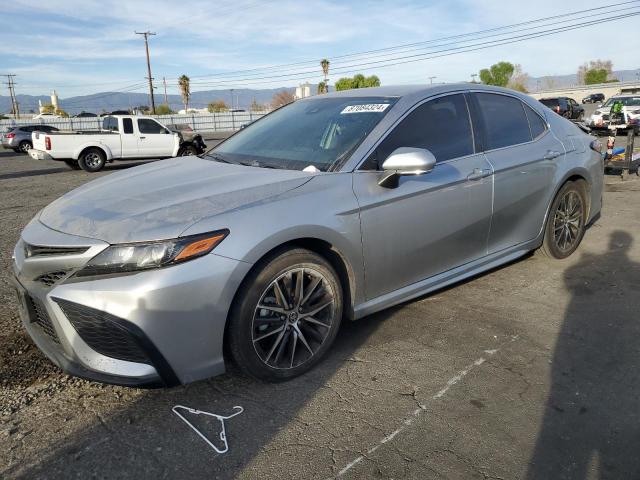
x=257 y=251
x=629 y=116
x=594 y=98
x=121 y=137
x=46 y=116
x=18 y=139
x=85 y=115
x=192 y=142
x=565 y=107
x=116 y=112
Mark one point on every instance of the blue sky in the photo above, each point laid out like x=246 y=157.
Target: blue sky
x=87 y=46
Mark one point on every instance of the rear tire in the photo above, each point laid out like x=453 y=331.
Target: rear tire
x=565 y=225
x=72 y=164
x=273 y=334
x=92 y=160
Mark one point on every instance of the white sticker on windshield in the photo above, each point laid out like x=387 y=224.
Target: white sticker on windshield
x=365 y=108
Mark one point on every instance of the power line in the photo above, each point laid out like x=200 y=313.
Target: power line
x=465 y=35
x=421 y=57
x=146 y=46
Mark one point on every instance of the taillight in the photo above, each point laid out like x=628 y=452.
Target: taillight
x=47 y=143
x=10 y=135
x=596 y=146
x=557 y=109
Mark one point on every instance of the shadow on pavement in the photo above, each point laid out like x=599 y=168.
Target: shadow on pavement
x=591 y=425
x=146 y=439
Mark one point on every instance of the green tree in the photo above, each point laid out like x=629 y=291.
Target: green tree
x=322 y=87
x=357 y=81
x=498 y=74
x=324 y=64
x=217 y=106
x=164 y=109
x=185 y=90
x=595 y=75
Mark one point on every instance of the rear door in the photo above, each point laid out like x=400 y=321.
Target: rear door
x=433 y=222
x=129 y=139
x=154 y=140
x=524 y=156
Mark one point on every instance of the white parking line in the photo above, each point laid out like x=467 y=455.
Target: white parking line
x=416 y=413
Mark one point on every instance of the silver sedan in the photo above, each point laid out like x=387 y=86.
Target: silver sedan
x=326 y=210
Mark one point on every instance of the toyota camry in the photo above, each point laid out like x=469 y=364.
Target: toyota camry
x=324 y=211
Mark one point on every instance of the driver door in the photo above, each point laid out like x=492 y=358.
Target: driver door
x=432 y=222
x=154 y=140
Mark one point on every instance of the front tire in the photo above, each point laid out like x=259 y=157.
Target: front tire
x=92 y=160
x=566 y=222
x=286 y=316
x=188 y=151
x=25 y=146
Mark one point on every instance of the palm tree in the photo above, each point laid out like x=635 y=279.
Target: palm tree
x=321 y=87
x=324 y=63
x=185 y=91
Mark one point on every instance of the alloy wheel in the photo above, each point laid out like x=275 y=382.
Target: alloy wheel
x=25 y=147
x=567 y=222
x=293 y=318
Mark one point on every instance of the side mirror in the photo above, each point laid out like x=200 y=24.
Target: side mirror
x=406 y=161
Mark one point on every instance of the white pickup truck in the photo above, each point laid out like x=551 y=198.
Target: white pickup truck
x=121 y=137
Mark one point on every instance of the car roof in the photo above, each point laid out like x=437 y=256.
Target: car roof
x=402 y=91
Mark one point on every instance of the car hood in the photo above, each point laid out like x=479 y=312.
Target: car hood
x=162 y=199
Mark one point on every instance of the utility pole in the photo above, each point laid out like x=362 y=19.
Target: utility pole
x=166 y=99
x=146 y=46
x=431 y=80
x=12 y=93
x=232 y=99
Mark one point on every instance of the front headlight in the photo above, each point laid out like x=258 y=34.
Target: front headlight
x=134 y=257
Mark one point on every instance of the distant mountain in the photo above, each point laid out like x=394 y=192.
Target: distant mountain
x=109 y=101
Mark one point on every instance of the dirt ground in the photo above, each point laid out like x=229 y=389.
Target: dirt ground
x=529 y=371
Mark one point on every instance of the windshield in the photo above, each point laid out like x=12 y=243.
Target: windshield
x=317 y=132
x=626 y=101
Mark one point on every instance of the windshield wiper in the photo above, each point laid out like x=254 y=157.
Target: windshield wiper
x=218 y=158
x=256 y=164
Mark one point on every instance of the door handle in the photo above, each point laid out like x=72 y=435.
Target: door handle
x=142 y=138
x=479 y=173
x=551 y=154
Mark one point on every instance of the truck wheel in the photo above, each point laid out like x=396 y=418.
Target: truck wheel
x=72 y=164
x=92 y=160
x=187 y=151
x=25 y=146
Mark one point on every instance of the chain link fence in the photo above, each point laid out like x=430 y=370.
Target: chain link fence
x=200 y=122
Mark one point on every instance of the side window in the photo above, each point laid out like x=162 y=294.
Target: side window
x=146 y=125
x=536 y=123
x=27 y=129
x=441 y=126
x=504 y=119
x=127 y=125
x=110 y=123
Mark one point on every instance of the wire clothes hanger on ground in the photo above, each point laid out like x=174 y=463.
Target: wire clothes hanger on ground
x=221 y=419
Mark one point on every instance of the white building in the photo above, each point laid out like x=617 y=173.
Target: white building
x=304 y=90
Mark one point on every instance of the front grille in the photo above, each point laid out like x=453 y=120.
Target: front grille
x=51 y=278
x=104 y=333
x=44 y=251
x=38 y=315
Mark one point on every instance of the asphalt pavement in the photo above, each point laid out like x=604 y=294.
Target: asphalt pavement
x=529 y=371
